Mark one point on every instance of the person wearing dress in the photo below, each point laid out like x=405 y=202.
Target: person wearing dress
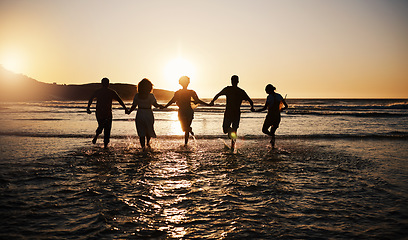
x=144 y=100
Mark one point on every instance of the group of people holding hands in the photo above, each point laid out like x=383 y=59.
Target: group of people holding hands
x=144 y=100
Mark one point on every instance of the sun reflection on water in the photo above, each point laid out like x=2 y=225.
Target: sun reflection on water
x=170 y=189
x=175 y=127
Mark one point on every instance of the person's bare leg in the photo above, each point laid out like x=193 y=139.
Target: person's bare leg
x=273 y=141
x=142 y=142
x=148 y=142
x=97 y=132
x=186 y=135
x=233 y=136
x=95 y=138
x=233 y=141
x=273 y=130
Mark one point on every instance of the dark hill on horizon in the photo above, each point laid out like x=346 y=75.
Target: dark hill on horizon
x=18 y=87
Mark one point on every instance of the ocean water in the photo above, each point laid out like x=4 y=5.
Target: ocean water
x=340 y=172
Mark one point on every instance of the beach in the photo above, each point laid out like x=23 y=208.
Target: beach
x=339 y=173
x=313 y=95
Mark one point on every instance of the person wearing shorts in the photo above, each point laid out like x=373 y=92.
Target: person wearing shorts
x=104 y=97
x=183 y=99
x=273 y=103
x=232 y=114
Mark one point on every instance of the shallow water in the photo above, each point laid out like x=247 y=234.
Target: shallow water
x=304 y=190
x=340 y=173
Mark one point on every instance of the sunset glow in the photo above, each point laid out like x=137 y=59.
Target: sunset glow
x=307 y=49
x=11 y=63
x=175 y=125
x=175 y=69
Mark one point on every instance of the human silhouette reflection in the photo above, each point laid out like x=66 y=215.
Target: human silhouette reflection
x=104 y=97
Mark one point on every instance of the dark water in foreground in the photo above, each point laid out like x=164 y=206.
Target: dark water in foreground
x=341 y=173
x=306 y=190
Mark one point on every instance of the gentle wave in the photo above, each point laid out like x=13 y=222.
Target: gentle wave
x=354 y=114
x=350 y=107
x=365 y=108
x=41 y=119
x=390 y=135
x=289 y=112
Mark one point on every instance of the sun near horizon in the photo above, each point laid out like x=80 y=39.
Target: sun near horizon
x=12 y=63
x=175 y=69
x=307 y=49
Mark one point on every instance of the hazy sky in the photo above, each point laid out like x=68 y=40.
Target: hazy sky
x=306 y=48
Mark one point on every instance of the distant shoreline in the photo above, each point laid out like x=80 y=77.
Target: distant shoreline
x=18 y=87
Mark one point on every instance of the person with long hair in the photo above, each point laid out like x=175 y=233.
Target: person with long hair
x=144 y=100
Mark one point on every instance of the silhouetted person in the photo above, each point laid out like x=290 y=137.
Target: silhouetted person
x=273 y=103
x=144 y=100
x=183 y=99
x=104 y=97
x=232 y=114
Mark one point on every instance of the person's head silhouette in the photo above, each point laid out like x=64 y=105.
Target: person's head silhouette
x=144 y=86
x=105 y=82
x=234 y=80
x=184 y=81
x=269 y=89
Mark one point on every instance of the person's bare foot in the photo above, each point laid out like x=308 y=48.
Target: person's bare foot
x=273 y=142
x=233 y=141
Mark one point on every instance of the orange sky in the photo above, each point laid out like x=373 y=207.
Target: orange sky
x=313 y=49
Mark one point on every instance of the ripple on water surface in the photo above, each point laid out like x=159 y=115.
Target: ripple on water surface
x=200 y=191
